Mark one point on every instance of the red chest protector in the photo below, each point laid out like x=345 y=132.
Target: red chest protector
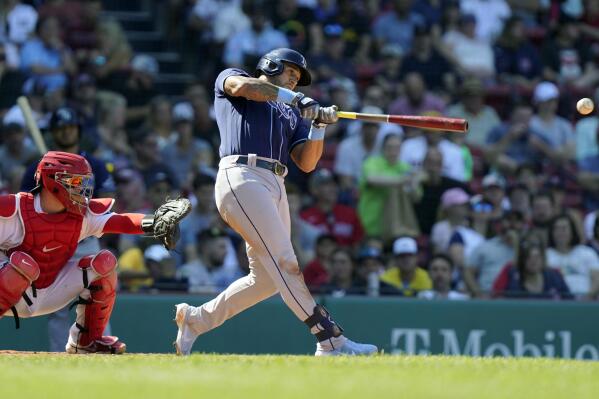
x=50 y=239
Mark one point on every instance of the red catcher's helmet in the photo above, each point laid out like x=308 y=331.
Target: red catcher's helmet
x=69 y=178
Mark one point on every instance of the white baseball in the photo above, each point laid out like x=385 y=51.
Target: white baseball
x=585 y=106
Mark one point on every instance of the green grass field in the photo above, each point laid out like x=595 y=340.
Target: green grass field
x=247 y=377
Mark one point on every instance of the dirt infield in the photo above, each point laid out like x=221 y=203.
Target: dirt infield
x=11 y=352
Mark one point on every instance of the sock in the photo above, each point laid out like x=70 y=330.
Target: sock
x=331 y=343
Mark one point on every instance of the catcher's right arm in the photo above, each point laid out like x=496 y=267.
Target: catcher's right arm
x=164 y=223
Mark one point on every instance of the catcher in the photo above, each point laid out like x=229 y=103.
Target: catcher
x=39 y=232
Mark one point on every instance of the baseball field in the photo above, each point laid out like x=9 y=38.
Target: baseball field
x=43 y=375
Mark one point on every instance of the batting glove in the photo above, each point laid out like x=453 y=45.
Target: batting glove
x=327 y=115
x=308 y=107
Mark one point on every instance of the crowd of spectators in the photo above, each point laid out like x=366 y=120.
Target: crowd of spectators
x=507 y=210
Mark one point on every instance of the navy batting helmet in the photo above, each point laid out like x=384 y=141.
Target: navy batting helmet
x=271 y=64
x=63 y=116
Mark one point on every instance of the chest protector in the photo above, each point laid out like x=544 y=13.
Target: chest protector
x=51 y=239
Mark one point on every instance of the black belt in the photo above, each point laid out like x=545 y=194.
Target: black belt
x=275 y=167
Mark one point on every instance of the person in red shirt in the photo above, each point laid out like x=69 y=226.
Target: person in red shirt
x=340 y=221
x=316 y=273
x=39 y=233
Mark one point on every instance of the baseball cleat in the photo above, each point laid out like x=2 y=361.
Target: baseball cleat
x=185 y=337
x=349 y=348
x=105 y=345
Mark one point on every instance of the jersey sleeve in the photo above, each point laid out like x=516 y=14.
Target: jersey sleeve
x=219 y=85
x=300 y=134
x=93 y=225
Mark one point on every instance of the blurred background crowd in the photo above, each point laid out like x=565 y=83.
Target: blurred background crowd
x=507 y=210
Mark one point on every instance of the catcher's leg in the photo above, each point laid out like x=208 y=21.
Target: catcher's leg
x=95 y=306
x=18 y=273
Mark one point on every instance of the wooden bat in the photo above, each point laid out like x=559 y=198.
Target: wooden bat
x=422 y=122
x=38 y=139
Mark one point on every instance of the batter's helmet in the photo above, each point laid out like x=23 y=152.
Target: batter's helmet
x=69 y=178
x=271 y=64
x=63 y=116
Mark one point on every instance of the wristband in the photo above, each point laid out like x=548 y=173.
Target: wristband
x=288 y=96
x=316 y=132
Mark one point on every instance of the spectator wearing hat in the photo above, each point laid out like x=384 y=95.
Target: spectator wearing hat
x=455 y=210
x=493 y=194
x=209 y=273
x=481 y=118
x=434 y=184
x=389 y=76
x=387 y=192
x=404 y=276
x=510 y=144
x=46 y=57
x=353 y=150
x=35 y=91
x=517 y=60
x=186 y=154
x=472 y=56
x=397 y=25
x=332 y=61
x=371 y=265
x=486 y=260
x=316 y=273
x=425 y=59
x=417 y=100
x=578 y=263
x=84 y=101
x=328 y=215
x=147 y=158
x=11 y=81
x=150 y=270
x=557 y=141
x=440 y=270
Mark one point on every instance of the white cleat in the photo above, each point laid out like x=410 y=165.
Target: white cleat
x=185 y=337
x=349 y=348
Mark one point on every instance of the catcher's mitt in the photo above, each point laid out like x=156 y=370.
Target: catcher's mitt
x=164 y=223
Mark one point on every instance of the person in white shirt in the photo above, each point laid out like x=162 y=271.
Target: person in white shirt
x=578 y=263
x=490 y=14
x=413 y=152
x=440 y=269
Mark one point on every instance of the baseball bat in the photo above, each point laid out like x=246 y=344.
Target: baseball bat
x=422 y=122
x=32 y=125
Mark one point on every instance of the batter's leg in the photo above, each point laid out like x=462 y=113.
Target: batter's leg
x=250 y=204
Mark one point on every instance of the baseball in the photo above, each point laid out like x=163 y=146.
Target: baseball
x=585 y=106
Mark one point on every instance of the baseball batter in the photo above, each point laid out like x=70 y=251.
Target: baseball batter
x=39 y=233
x=261 y=123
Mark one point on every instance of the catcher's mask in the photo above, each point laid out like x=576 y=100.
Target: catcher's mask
x=68 y=177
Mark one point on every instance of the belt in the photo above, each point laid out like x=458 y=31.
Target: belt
x=275 y=167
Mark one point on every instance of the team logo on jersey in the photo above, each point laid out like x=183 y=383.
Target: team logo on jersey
x=286 y=112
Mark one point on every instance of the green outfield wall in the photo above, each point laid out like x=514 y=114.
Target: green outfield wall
x=476 y=328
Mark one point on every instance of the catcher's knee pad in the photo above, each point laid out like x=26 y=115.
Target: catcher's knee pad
x=322 y=318
x=103 y=263
x=98 y=308
x=18 y=273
